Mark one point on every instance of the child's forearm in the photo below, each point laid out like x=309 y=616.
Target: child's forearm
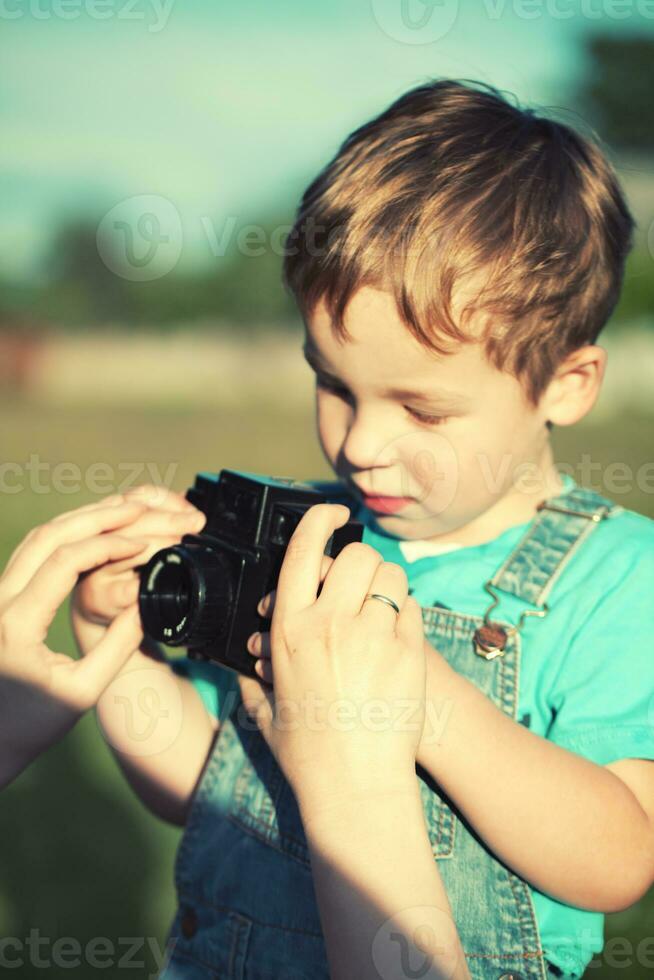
x=156 y=726
x=165 y=777
x=570 y=827
x=381 y=899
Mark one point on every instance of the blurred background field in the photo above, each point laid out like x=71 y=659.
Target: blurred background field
x=144 y=332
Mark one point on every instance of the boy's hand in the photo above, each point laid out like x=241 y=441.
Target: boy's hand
x=43 y=693
x=101 y=595
x=348 y=702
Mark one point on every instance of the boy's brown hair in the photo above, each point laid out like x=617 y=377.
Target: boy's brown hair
x=453 y=181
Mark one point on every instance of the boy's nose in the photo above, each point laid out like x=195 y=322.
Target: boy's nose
x=367 y=443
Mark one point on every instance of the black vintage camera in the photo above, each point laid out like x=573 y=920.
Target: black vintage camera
x=203 y=592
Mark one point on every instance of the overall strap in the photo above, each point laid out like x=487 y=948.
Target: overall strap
x=559 y=528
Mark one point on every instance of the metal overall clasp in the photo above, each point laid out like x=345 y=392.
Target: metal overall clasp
x=490 y=639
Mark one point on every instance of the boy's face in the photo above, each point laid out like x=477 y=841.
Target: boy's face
x=456 y=451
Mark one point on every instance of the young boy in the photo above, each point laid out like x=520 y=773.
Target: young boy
x=454 y=264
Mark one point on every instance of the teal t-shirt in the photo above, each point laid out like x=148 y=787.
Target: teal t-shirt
x=586 y=670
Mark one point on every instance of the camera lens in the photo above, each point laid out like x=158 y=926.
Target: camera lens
x=185 y=595
x=173 y=593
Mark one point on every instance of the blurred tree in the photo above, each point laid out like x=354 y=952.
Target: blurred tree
x=241 y=287
x=616 y=91
x=80 y=287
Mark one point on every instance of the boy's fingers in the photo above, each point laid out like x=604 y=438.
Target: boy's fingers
x=125 y=593
x=101 y=596
x=107 y=590
x=258 y=645
x=95 y=671
x=266 y=605
x=120 y=594
x=35 y=606
x=75 y=526
x=265 y=671
x=155 y=496
x=299 y=576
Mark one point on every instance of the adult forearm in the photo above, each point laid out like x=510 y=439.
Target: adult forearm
x=381 y=899
x=13 y=760
x=21 y=742
x=570 y=827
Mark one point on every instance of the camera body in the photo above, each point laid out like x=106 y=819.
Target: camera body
x=203 y=592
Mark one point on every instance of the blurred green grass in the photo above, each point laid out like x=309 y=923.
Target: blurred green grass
x=81 y=857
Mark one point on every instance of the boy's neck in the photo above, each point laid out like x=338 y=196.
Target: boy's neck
x=517 y=506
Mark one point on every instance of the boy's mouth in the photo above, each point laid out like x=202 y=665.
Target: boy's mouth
x=385 y=505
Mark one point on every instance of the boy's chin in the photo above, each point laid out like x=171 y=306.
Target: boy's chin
x=411 y=528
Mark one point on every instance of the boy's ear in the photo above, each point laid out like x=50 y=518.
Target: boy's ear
x=575 y=385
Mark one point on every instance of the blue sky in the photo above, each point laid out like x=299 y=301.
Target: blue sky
x=229 y=109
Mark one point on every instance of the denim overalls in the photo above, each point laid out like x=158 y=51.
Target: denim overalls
x=247 y=907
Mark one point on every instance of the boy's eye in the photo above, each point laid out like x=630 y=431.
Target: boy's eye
x=342 y=392
x=428 y=419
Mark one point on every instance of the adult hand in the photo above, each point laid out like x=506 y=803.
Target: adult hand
x=347 y=708
x=42 y=692
x=438 y=671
